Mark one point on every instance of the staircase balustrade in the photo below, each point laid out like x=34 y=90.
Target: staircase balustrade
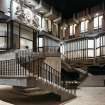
x=25 y=65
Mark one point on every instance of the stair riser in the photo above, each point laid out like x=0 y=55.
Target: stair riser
x=65 y=95
x=93 y=81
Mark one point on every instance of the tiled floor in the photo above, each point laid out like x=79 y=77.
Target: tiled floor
x=85 y=96
x=89 y=96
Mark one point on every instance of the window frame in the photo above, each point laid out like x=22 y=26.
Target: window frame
x=72 y=30
x=85 y=27
x=98 y=22
x=4 y=36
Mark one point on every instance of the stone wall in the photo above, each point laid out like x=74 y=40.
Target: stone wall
x=54 y=62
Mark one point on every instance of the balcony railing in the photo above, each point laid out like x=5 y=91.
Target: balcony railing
x=50 y=50
x=11 y=68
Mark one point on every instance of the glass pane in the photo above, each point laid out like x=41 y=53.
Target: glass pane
x=100 y=21
x=84 y=53
x=96 y=22
x=82 y=26
x=71 y=30
x=3 y=29
x=74 y=45
x=3 y=42
x=84 y=44
x=24 y=43
x=74 y=28
x=98 y=42
x=103 y=50
x=73 y=55
x=101 y=41
x=27 y=33
x=40 y=42
x=80 y=53
x=68 y=46
x=98 y=52
x=90 y=43
x=71 y=46
x=90 y=53
x=86 y=26
x=104 y=40
x=80 y=44
x=62 y=49
x=70 y=55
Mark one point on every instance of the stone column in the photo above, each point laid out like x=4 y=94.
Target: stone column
x=91 y=26
x=77 y=30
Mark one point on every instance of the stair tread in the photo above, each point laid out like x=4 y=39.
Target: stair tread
x=94 y=81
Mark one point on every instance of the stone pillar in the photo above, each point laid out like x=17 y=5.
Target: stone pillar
x=77 y=30
x=91 y=26
x=35 y=34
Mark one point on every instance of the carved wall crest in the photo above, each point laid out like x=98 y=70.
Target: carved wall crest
x=25 y=14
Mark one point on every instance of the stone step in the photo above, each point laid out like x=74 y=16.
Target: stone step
x=59 y=90
x=93 y=81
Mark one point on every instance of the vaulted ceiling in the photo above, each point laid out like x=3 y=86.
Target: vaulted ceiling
x=68 y=7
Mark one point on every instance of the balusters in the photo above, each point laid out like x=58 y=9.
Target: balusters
x=12 y=68
x=49 y=74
